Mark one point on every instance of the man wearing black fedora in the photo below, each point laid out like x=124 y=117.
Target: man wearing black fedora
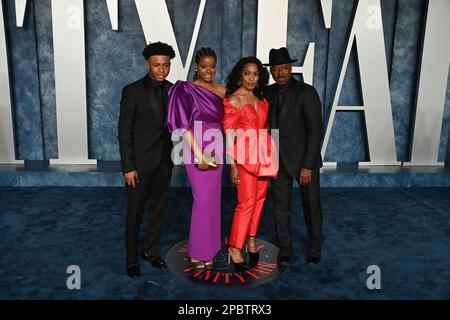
x=295 y=109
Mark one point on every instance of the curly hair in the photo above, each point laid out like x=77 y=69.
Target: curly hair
x=158 y=48
x=234 y=78
x=203 y=52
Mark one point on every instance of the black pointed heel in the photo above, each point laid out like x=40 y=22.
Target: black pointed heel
x=238 y=266
x=254 y=258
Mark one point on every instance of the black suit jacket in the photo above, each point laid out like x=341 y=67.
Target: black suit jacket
x=300 y=125
x=144 y=138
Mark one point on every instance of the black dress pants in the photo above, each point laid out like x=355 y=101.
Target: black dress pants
x=154 y=187
x=312 y=211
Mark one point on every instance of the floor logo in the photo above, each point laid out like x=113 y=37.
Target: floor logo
x=223 y=274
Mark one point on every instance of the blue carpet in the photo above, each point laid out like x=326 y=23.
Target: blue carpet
x=406 y=232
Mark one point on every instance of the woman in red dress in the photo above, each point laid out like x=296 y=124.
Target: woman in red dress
x=251 y=152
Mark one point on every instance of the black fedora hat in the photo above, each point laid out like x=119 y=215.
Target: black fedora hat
x=279 y=56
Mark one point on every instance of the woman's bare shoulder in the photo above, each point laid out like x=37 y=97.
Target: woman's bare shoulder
x=220 y=90
x=235 y=100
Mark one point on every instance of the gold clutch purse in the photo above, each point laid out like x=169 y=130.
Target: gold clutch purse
x=210 y=159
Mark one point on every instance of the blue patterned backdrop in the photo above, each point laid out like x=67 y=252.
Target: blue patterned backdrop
x=114 y=59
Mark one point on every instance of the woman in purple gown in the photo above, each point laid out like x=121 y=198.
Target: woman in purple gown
x=195 y=111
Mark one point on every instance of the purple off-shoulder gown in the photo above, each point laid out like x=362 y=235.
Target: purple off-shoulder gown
x=193 y=107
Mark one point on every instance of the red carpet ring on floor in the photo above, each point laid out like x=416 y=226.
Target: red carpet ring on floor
x=223 y=274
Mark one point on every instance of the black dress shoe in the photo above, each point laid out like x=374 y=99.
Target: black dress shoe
x=155 y=261
x=313 y=261
x=134 y=272
x=283 y=260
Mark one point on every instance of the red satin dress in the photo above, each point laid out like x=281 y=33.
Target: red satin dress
x=256 y=155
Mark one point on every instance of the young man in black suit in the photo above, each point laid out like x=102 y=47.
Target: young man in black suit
x=145 y=152
x=295 y=110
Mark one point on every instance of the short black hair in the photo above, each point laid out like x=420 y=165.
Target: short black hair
x=158 y=48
